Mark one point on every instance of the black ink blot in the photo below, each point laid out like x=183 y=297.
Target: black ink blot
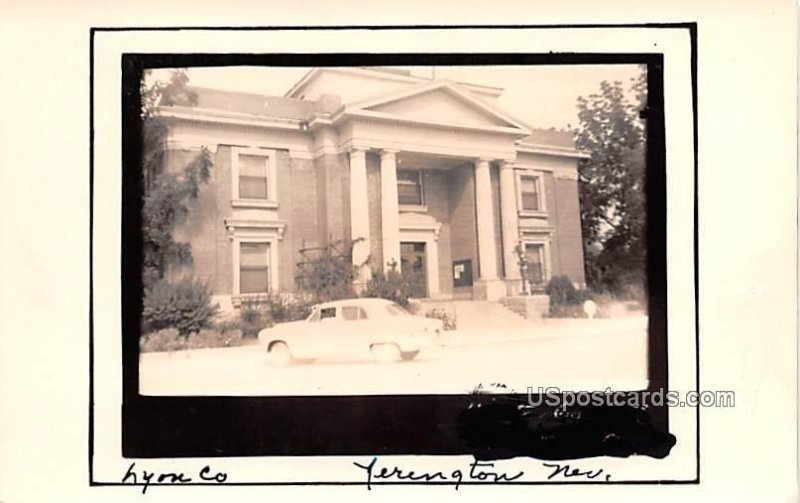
x=505 y=427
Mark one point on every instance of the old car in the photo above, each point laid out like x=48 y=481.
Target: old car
x=376 y=328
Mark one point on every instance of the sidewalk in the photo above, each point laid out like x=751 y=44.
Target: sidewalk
x=548 y=328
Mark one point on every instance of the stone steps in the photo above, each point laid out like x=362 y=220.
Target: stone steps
x=472 y=314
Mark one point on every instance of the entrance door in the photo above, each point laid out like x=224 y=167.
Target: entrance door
x=413 y=264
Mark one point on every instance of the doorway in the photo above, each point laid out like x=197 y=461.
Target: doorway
x=413 y=265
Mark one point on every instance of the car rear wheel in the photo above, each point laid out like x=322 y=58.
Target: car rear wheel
x=409 y=355
x=279 y=354
x=386 y=353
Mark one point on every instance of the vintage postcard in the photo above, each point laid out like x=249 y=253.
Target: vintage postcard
x=367 y=259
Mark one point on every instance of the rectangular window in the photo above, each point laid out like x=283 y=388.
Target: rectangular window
x=530 y=192
x=535 y=272
x=352 y=313
x=253 y=181
x=254 y=268
x=409 y=187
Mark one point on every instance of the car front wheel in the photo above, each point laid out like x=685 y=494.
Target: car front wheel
x=279 y=354
x=409 y=355
x=386 y=353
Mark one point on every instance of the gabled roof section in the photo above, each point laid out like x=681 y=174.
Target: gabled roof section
x=441 y=102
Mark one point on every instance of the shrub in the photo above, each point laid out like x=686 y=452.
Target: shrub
x=282 y=308
x=185 y=306
x=449 y=322
x=566 y=301
x=167 y=339
x=252 y=319
x=327 y=273
x=214 y=339
x=392 y=285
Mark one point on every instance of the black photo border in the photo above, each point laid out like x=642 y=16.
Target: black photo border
x=185 y=426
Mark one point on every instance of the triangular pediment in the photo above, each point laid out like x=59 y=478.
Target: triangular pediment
x=440 y=102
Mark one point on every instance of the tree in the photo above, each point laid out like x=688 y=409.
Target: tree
x=611 y=184
x=167 y=195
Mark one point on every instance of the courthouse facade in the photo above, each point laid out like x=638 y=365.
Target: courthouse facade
x=429 y=174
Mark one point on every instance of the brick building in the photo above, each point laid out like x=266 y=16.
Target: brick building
x=429 y=173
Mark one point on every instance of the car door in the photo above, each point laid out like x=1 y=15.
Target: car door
x=356 y=336
x=323 y=337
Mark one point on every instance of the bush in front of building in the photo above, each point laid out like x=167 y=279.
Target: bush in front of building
x=566 y=301
x=169 y=339
x=391 y=285
x=326 y=273
x=185 y=306
x=449 y=321
x=266 y=310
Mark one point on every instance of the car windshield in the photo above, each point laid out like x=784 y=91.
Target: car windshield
x=396 y=309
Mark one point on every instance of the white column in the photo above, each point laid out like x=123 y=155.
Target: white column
x=487 y=258
x=359 y=211
x=390 y=211
x=508 y=210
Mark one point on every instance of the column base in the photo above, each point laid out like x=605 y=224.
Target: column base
x=489 y=289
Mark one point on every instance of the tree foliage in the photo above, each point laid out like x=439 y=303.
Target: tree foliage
x=611 y=184
x=167 y=194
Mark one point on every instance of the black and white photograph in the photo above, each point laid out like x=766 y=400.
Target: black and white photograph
x=393 y=230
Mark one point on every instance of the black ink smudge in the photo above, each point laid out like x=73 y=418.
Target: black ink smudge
x=502 y=427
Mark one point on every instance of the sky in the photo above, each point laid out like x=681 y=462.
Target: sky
x=542 y=96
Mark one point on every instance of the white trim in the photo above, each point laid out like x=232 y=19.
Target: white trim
x=225 y=117
x=271 y=172
x=274 y=283
x=255 y=231
x=522 y=211
x=450 y=87
x=412 y=207
x=477 y=88
x=553 y=150
x=369 y=114
x=545 y=250
x=428 y=234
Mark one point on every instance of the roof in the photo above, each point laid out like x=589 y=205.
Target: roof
x=357 y=301
x=552 y=137
x=253 y=104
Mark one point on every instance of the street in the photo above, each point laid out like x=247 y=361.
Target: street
x=591 y=355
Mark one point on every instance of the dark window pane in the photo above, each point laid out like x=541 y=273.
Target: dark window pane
x=254 y=280
x=409 y=187
x=409 y=194
x=530 y=193
x=254 y=254
x=350 y=313
x=535 y=267
x=408 y=176
x=328 y=312
x=530 y=201
x=252 y=187
x=252 y=165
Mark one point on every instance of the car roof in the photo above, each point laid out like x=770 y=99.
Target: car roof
x=356 y=301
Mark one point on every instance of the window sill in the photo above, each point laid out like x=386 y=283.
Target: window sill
x=238 y=299
x=254 y=203
x=416 y=208
x=532 y=213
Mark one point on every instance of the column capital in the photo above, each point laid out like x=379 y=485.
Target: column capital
x=507 y=164
x=388 y=153
x=484 y=160
x=358 y=151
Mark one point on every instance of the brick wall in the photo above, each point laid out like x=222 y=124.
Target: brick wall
x=463 y=233
x=569 y=243
x=297 y=206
